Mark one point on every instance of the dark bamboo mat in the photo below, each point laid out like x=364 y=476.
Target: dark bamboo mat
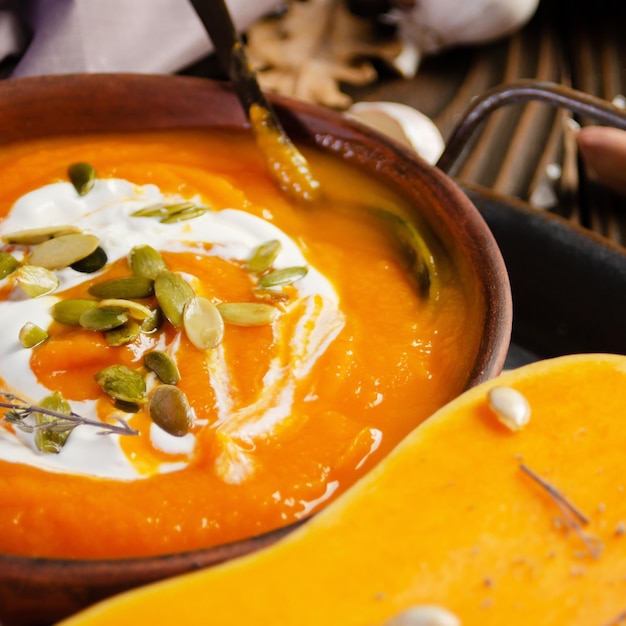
x=528 y=151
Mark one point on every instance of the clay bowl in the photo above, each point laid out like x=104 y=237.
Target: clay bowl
x=41 y=591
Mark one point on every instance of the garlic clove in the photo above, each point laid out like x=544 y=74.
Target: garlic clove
x=433 y=25
x=402 y=123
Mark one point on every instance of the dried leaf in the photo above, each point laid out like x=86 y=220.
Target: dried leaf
x=313 y=47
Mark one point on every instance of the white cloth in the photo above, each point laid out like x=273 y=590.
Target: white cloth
x=145 y=36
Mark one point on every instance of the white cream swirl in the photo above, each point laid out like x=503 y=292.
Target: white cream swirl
x=106 y=212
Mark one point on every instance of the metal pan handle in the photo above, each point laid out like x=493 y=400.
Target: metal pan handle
x=530 y=90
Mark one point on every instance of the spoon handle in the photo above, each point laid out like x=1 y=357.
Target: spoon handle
x=283 y=160
x=231 y=52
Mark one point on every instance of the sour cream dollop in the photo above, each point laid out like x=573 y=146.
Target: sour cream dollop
x=106 y=211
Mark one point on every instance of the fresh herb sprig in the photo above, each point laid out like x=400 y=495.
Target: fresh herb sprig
x=19 y=410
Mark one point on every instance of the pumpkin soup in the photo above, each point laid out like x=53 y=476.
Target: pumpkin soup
x=188 y=358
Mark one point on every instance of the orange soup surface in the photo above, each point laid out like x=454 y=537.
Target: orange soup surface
x=283 y=411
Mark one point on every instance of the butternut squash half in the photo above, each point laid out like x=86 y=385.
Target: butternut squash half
x=496 y=526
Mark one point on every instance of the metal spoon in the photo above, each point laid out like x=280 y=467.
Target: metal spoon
x=284 y=161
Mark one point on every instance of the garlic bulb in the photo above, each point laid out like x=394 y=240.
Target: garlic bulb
x=431 y=25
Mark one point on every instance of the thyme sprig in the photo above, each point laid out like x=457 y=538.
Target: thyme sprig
x=572 y=515
x=19 y=410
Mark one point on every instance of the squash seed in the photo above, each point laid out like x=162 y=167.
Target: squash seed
x=284 y=276
x=48 y=439
x=182 y=216
x=92 y=262
x=163 y=366
x=152 y=323
x=164 y=210
x=36 y=281
x=8 y=264
x=264 y=256
x=83 y=176
x=247 y=313
x=62 y=251
x=31 y=335
x=203 y=323
x=34 y=236
x=169 y=409
x=172 y=293
x=136 y=310
x=126 y=287
x=68 y=311
x=102 y=319
x=122 y=335
x=122 y=383
x=146 y=261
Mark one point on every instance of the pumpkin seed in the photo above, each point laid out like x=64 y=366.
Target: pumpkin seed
x=34 y=236
x=122 y=335
x=31 y=335
x=284 y=276
x=152 y=323
x=152 y=210
x=122 y=383
x=48 y=439
x=164 y=210
x=172 y=293
x=169 y=409
x=135 y=309
x=203 y=323
x=264 y=255
x=126 y=407
x=163 y=366
x=182 y=216
x=62 y=251
x=68 y=311
x=103 y=319
x=36 y=281
x=92 y=262
x=146 y=261
x=8 y=264
x=247 y=313
x=126 y=287
x=83 y=176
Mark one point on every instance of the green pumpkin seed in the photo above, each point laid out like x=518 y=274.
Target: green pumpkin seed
x=102 y=319
x=34 y=236
x=122 y=383
x=126 y=407
x=283 y=276
x=203 y=323
x=247 y=313
x=122 y=335
x=92 y=262
x=62 y=251
x=183 y=216
x=8 y=264
x=169 y=409
x=31 y=335
x=172 y=293
x=136 y=310
x=82 y=176
x=146 y=261
x=36 y=281
x=152 y=323
x=164 y=210
x=68 y=311
x=126 y=287
x=264 y=256
x=49 y=440
x=163 y=366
